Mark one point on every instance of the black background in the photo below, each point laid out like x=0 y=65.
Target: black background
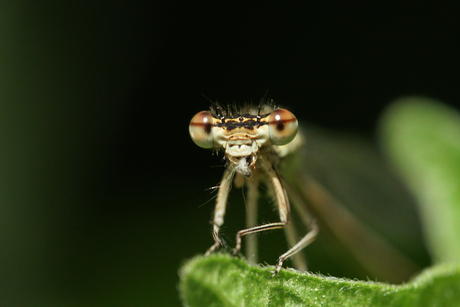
x=104 y=190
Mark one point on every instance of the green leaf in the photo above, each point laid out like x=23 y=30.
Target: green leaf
x=221 y=280
x=422 y=137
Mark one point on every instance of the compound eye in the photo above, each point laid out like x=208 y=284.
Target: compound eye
x=282 y=126
x=200 y=129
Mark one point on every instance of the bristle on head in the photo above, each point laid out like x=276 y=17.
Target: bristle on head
x=234 y=110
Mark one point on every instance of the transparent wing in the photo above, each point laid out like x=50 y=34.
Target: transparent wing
x=368 y=220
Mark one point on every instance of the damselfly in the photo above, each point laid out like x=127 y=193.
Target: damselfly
x=263 y=145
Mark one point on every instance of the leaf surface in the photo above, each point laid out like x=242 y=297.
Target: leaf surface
x=221 y=280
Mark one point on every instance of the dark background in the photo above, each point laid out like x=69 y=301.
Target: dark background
x=103 y=190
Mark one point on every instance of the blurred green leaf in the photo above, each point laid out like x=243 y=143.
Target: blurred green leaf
x=220 y=280
x=422 y=138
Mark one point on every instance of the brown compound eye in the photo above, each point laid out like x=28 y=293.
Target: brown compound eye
x=282 y=126
x=200 y=129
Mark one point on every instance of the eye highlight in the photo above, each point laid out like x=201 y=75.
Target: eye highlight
x=200 y=129
x=282 y=126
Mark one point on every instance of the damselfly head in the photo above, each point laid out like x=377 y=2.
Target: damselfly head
x=243 y=136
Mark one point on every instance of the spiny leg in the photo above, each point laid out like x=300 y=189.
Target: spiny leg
x=219 y=211
x=309 y=237
x=298 y=259
x=306 y=240
x=301 y=209
x=283 y=206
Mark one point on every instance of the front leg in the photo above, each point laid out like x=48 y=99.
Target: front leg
x=219 y=211
x=283 y=206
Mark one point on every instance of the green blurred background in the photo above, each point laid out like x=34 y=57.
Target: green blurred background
x=102 y=190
